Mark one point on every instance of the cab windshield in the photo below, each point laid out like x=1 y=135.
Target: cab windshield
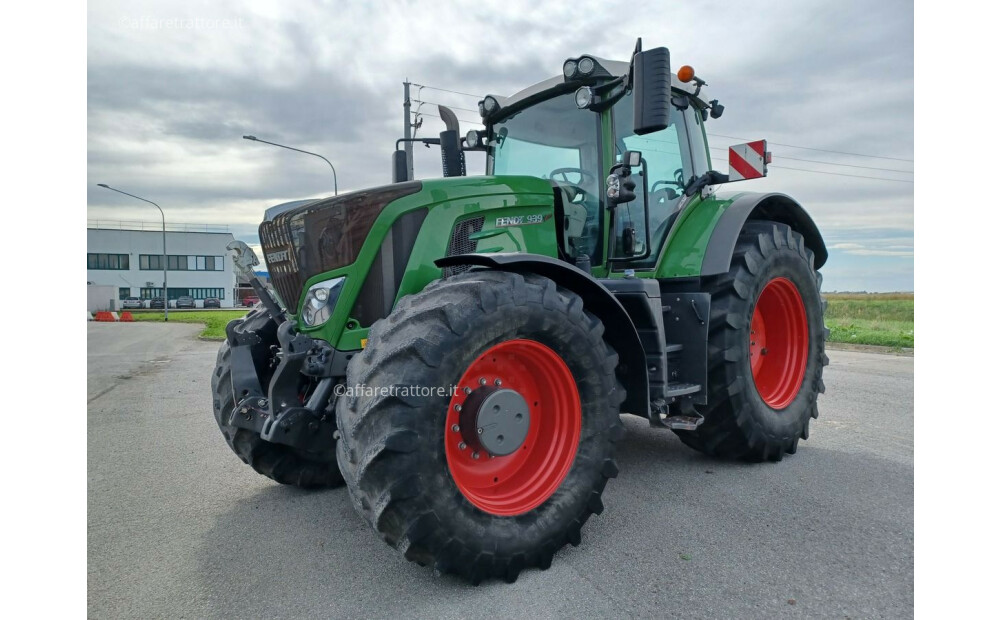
x=555 y=140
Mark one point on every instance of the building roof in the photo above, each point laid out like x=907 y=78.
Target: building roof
x=143 y=226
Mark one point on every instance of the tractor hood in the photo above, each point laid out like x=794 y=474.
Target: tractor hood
x=318 y=236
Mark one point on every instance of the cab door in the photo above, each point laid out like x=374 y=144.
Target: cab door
x=672 y=156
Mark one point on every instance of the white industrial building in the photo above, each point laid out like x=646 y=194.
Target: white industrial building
x=129 y=256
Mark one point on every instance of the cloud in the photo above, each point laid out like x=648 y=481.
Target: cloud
x=172 y=89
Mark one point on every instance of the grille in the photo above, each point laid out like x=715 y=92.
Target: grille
x=321 y=236
x=460 y=243
x=282 y=266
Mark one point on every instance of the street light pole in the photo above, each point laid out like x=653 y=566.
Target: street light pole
x=163 y=220
x=292 y=148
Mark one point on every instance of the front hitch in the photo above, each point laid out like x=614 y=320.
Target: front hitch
x=281 y=416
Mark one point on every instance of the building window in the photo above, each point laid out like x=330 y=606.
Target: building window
x=107 y=261
x=124 y=292
x=151 y=262
x=179 y=262
x=197 y=293
x=149 y=293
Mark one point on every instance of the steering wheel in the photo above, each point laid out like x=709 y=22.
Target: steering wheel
x=574 y=190
x=584 y=174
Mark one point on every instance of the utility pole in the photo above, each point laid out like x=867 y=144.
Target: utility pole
x=408 y=145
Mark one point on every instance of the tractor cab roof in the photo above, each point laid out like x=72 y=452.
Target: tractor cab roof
x=558 y=84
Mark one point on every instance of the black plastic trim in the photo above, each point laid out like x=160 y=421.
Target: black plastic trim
x=754 y=206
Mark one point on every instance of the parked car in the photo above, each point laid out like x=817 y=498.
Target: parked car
x=131 y=303
x=186 y=302
x=156 y=302
x=250 y=302
x=212 y=302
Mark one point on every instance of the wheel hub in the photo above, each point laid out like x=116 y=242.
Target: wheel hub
x=496 y=420
x=515 y=474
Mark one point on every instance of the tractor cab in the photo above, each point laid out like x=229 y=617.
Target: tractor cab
x=573 y=129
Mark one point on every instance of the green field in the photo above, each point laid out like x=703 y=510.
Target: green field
x=884 y=319
x=214 y=320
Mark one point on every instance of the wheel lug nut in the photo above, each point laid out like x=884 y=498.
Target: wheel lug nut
x=455 y=428
x=480 y=431
x=475 y=455
x=458 y=407
x=497 y=382
x=461 y=445
x=482 y=381
x=468 y=390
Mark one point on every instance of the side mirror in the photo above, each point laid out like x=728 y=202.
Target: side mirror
x=651 y=90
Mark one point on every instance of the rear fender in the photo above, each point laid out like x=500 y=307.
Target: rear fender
x=752 y=206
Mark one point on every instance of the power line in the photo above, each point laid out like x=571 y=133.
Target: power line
x=841 y=174
x=825 y=163
x=445 y=90
x=809 y=148
x=781 y=156
x=719 y=135
x=436 y=116
x=453 y=107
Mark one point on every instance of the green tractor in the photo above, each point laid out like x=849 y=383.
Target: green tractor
x=458 y=351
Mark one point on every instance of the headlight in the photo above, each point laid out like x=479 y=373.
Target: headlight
x=320 y=301
x=490 y=104
x=586 y=65
x=584 y=97
x=614 y=186
x=472 y=139
x=569 y=68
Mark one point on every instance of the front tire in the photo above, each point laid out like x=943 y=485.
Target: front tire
x=414 y=466
x=278 y=462
x=766 y=348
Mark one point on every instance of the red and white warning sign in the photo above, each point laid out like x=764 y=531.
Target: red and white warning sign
x=749 y=160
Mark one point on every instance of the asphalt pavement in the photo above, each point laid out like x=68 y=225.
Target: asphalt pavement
x=179 y=527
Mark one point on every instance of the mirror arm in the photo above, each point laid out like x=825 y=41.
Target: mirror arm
x=712 y=177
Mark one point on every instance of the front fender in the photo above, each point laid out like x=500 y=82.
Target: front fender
x=619 y=331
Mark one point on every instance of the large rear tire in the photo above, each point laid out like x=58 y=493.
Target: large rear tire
x=415 y=467
x=278 y=462
x=766 y=348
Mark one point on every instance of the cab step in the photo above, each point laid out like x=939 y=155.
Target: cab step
x=681 y=389
x=682 y=422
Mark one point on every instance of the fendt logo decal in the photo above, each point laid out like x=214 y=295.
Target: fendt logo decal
x=277 y=257
x=522 y=220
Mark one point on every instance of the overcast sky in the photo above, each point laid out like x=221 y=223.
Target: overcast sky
x=173 y=86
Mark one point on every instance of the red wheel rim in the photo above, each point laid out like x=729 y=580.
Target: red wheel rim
x=779 y=343
x=519 y=482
